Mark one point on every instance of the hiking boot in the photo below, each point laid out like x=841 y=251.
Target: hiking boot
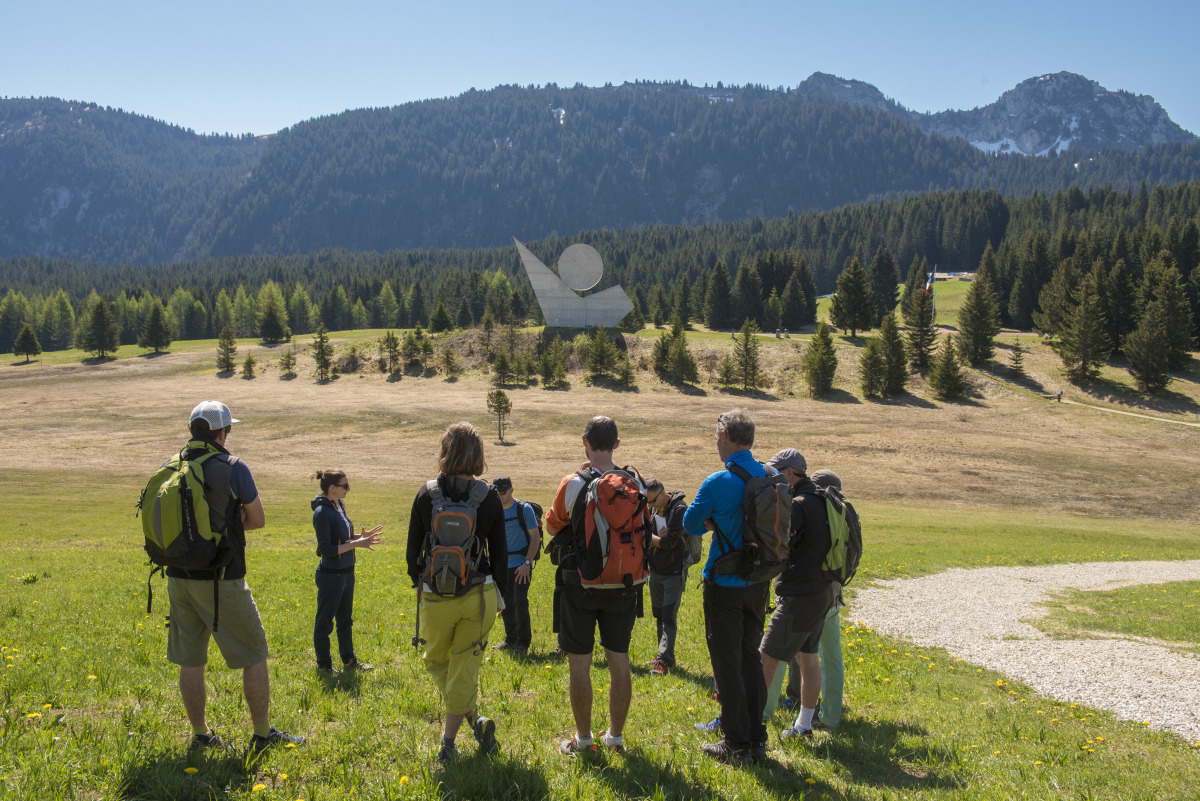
x=503 y=646
x=484 y=730
x=612 y=743
x=276 y=737
x=356 y=665
x=202 y=741
x=724 y=752
x=659 y=667
x=712 y=727
x=447 y=753
x=576 y=746
x=797 y=733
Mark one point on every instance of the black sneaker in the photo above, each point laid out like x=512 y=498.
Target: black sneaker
x=202 y=741
x=484 y=730
x=276 y=737
x=758 y=750
x=723 y=752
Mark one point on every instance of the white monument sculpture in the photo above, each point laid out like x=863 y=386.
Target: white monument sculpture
x=579 y=269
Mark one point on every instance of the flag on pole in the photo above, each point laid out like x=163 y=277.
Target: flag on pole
x=929 y=283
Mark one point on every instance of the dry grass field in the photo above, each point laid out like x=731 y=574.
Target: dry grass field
x=1002 y=447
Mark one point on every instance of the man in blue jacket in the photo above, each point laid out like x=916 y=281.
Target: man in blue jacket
x=733 y=608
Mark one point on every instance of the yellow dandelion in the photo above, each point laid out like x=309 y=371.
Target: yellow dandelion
x=190 y=770
x=1099 y=739
x=290 y=745
x=47 y=706
x=404 y=780
x=1038 y=762
x=33 y=715
x=810 y=780
x=258 y=788
x=1145 y=723
x=283 y=777
x=90 y=677
x=691 y=709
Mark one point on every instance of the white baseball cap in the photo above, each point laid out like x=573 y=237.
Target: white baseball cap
x=215 y=413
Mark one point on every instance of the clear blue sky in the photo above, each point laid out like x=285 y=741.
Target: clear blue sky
x=262 y=65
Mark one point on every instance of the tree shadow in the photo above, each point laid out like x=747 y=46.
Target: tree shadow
x=287 y=376
x=839 y=396
x=692 y=390
x=613 y=385
x=906 y=399
x=220 y=773
x=560 y=386
x=395 y=376
x=153 y=355
x=24 y=362
x=92 y=361
x=753 y=394
x=226 y=373
x=1163 y=402
x=451 y=379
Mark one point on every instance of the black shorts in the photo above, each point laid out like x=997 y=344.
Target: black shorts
x=796 y=625
x=614 y=611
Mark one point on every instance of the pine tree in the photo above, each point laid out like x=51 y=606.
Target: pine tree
x=772 y=312
x=554 y=364
x=1083 y=343
x=272 y=315
x=287 y=363
x=894 y=361
x=921 y=332
x=873 y=369
x=808 y=287
x=156 y=331
x=465 y=318
x=1146 y=350
x=248 y=365
x=1033 y=269
x=1016 y=361
x=390 y=345
x=851 y=307
x=884 y=277
x=727 y=372
x=819 y=364
x=410 y=348
x=946 y=378
x=226 y=349
x=450 y=362
x=918 y=271
x=97 y=331
x=322 y=353
x=417 y=313
x=681 y=301
x=501 y=368
x=793 y=306
x=499 y=405
x=747 y=294
x=746 y=356
x=978 y=323
x=243 y=315
x=388 y=306
x=27 y=344
x=717 y=302
x=1162 y=282
x=440 y=321
x=601 y=356
x=487 y=325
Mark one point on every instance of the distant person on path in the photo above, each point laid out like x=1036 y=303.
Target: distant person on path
x=234 y=507
x=583 y=609
x=457 y=610
x=733 y=607
x=524 y=540
x=670 y=556
x=336 y=545
x=804 y=595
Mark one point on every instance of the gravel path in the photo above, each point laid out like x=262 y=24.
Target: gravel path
x=980 y=615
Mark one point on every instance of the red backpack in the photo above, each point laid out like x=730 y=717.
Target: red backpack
x=611 y=526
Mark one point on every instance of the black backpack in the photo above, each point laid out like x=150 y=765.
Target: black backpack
x=537 y=515
x=670 y=559
x=767 y=510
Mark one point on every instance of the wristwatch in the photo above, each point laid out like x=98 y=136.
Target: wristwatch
x=528 y=562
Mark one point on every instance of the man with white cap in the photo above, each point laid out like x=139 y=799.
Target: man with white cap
x=227 y=613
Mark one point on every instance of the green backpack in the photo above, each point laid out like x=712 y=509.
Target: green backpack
x=845 y=537
x=177 y=520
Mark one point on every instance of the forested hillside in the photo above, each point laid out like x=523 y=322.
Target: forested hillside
x=94 y=184
x=719 y=274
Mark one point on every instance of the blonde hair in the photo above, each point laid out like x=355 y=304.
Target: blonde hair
x=462 y=451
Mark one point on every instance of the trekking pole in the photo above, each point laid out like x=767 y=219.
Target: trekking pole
x=417 y=642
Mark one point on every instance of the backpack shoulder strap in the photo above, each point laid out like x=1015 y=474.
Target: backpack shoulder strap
x=479 y=491
x=436 y=498
x=740 y=472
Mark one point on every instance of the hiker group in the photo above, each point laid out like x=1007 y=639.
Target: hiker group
x=471 y=549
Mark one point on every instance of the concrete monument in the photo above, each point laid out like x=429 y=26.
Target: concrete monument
x=579 y=269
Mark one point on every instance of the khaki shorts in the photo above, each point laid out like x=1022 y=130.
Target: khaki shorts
x=239 y=634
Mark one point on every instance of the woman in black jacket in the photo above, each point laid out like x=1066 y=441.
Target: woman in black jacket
x=336 y=545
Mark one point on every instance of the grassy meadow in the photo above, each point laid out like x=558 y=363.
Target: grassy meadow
x=90 y=707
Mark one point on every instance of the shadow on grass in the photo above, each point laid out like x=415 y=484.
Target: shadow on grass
x=287 y=376
x=1167 y=401
x=23 y=361
x=220 y=773
x=226 y=373
x=153 y=355
x=344 y=681
x=92 y=361
x=612 y=384
x=476 y=776
x=394 y=377
x=906 y=399
x=755 y=394
x=702 y=680
x=635 y=774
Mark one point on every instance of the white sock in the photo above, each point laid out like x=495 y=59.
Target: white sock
x=805 y=718
x=582 y=740
x=615 y=739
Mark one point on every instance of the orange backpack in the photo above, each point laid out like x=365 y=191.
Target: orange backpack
x=612 y=524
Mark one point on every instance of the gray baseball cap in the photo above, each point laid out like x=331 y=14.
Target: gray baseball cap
x=789 y=457
x=215 y=413
x=827 y=478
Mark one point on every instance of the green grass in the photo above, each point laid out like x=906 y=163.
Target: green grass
x=1163 y=611
x=89 y=706
x=948 y=296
